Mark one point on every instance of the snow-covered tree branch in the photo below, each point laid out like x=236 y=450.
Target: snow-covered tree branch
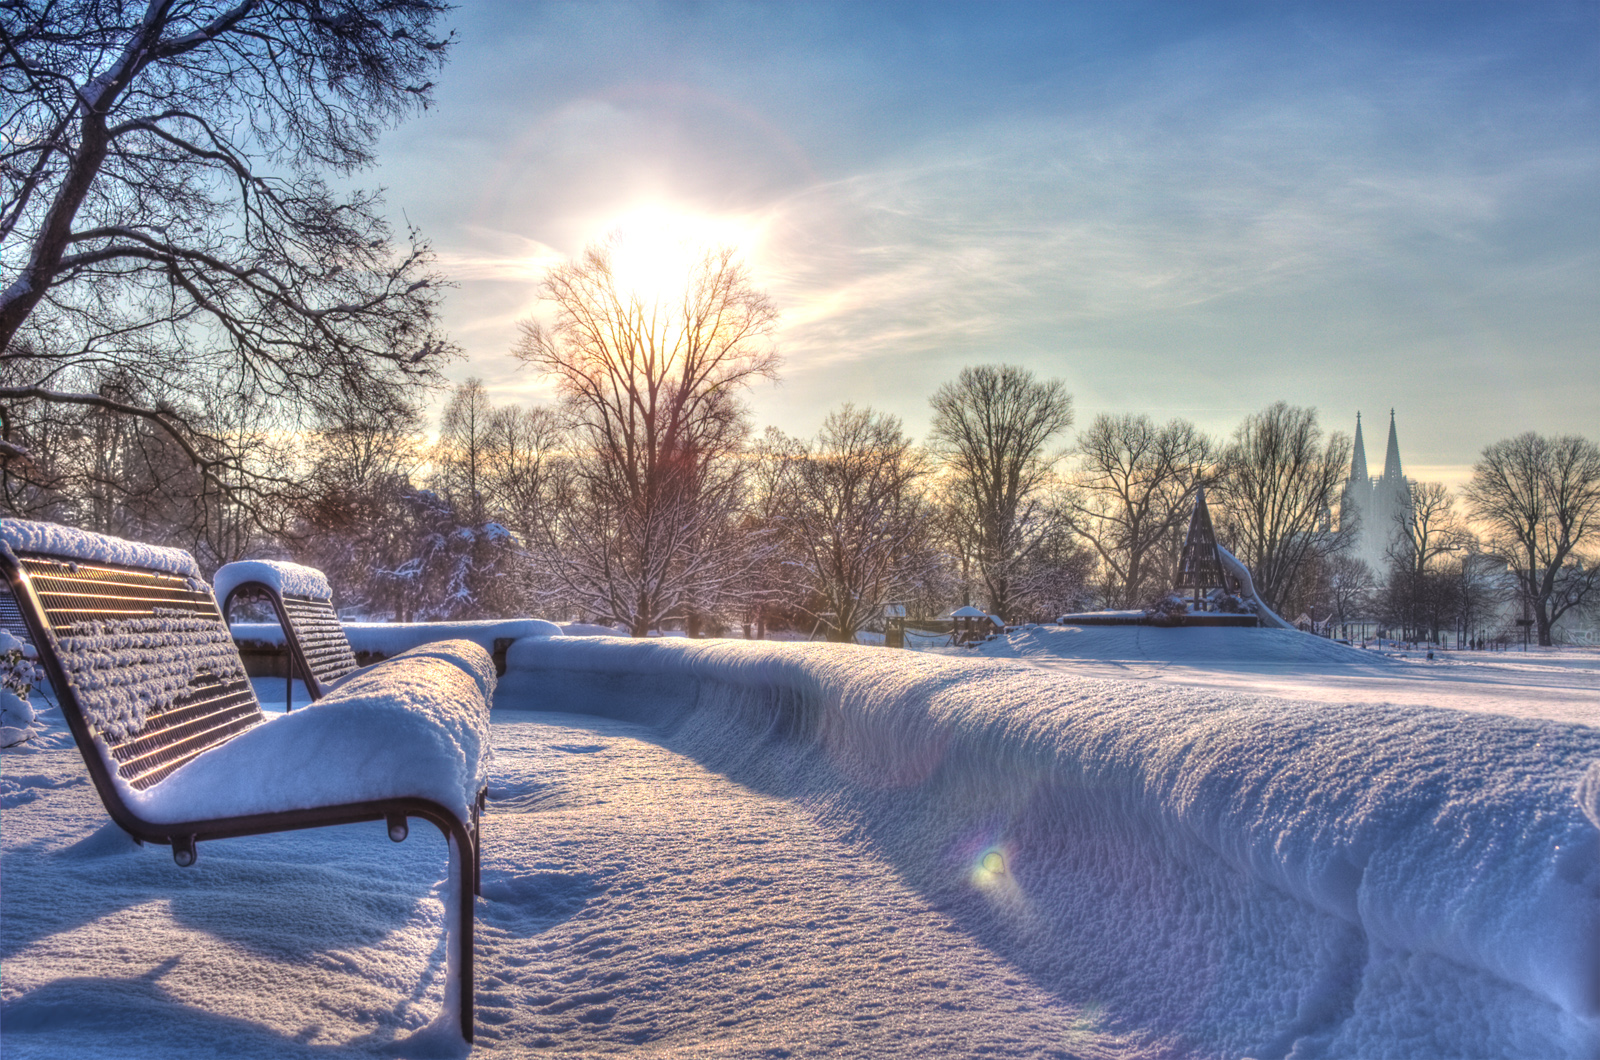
x=167 y=215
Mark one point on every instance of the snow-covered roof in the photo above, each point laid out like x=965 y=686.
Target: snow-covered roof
x=52 y=539
x=289 y=579
x=968 y=612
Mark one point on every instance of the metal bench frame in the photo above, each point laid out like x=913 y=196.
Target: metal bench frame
x=305 y=622
x=112 y=586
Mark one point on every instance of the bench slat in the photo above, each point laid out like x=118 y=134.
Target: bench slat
x=85 y=600
x=322 y=640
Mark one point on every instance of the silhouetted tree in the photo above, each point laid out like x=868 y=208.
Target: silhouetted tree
x=1134 y=488
x=1539 y=499
x=649 y=384
x=166 y=215
x=1279 y=482
x=856 y=525
x=992 y=428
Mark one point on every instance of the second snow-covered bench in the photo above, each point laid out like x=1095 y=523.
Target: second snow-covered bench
x=303 y=601
x=179 y=750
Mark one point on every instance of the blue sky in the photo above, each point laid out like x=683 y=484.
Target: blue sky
x=1180 y=209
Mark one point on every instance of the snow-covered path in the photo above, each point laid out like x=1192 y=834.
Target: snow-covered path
x=663 y=905
x=634 y=902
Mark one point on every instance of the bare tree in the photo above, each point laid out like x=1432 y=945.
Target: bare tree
x=526 y=467
x=649 y=385
x=1350 y=585
x=163 y=190
x=1420 y=595
x=1133 y=489
x=1427 y=530
x=1276 y=492
x=993 y=427
x=1539 y=500
x=855 y=522
x=461 y=461
x=358 y=519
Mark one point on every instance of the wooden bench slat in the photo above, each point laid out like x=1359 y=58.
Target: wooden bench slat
x=78 y=595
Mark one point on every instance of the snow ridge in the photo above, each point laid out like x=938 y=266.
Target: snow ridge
x=1228 y=874
x=67 y=543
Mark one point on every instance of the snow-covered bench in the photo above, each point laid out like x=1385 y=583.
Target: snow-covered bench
x=152 y=687
x=303 y=600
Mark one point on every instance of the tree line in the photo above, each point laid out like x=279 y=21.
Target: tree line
x=644 y=496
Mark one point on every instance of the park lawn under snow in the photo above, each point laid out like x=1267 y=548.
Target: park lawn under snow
x=722 y=849
x=1561 y=684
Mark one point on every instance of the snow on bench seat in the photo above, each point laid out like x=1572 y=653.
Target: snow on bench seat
x=417 y=726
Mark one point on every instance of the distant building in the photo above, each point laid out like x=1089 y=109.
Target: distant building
x=1370 y=505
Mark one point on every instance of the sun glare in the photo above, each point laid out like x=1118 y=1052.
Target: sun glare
x=657 y=248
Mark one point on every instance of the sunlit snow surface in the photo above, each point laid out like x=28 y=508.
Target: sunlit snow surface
x=1562 y=684
x=719 y=849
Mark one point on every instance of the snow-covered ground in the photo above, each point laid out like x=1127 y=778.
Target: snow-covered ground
x=1562 y=684
x=728 y=849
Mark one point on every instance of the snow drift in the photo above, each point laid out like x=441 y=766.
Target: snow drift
x=1213 y=874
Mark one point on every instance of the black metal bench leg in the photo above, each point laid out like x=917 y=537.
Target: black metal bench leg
x=477 y=843
x=464 y=930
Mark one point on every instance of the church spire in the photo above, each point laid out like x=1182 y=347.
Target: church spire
x=1391 y=459
x=1358 y=461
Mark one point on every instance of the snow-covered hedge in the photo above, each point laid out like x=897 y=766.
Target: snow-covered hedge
x=389 y=639
x=1211 y=873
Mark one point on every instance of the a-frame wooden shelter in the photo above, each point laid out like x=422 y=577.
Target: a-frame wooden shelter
x=1199 y=566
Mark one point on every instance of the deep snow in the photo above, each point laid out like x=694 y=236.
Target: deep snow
x=753 y=850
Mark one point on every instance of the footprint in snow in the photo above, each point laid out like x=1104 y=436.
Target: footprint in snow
x=531 y=902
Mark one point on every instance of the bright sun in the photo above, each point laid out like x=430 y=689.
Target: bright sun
x=656 y=248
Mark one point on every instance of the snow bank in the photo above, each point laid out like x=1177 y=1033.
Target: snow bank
x=63 y=541
x=416 y=726
x=288 y=579
x=391 y=638
x=1212 y=646
x=1215 y=874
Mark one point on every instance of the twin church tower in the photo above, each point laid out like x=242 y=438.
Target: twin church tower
x=1373 y=504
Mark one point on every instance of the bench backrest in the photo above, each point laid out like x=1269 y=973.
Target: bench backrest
x=311 y=629
x=323 y=645
x=145 y=670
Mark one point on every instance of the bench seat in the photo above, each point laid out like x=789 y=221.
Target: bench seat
x=415 y=727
